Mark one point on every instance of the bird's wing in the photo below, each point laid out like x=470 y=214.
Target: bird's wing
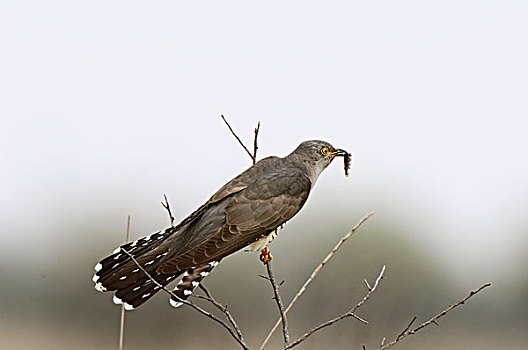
x=237 y=184
x=244 y=217
x=243 y=180
x=205 y=221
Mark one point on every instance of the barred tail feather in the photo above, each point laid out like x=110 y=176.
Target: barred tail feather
x=135 y=295
x=132 y=287
x=118 y=272
x=190 y=280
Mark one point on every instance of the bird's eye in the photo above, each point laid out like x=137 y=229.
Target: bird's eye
x=324 y=151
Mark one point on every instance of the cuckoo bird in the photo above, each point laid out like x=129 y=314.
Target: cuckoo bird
x=247 y=212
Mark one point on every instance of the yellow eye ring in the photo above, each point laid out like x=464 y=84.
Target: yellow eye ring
x=324 y=151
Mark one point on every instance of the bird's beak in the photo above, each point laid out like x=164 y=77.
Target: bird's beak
x=339 y=153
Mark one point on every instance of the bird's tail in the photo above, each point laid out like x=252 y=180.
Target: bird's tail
x=190 y=280
x=119 y=273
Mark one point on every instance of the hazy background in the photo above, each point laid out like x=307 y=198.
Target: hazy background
x=106 y=105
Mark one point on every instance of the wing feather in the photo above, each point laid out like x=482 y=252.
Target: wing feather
x=247 y=216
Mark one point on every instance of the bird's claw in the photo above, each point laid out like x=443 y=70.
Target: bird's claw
x=265 y=255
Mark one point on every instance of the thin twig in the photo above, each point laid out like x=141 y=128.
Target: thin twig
x=220 y=307
x=371 y=290
x=407 y=332
x=406 y=329
x=255 y=147
x=351 y=313
x=277 y=298
x=239 y=141
x=186 y=302
x=314 y=274
x=166 y=205
x=122 y=325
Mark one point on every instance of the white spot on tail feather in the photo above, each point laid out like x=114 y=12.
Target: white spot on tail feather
x=134 y=243
x=117 y=250
x=117 y=301
x=150 y=262
x=99 y=287
x=213 y=263
x=136 y=288
x=175 y=303
x=135 y=270
x=128 y=307
x=195 y=283
x=98 y=267
x=95 y=278
x=204 y=273
x=187 y=292
x=122 y=278
x=117 y=256
x=145 y=295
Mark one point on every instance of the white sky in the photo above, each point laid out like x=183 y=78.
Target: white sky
x=121 y=99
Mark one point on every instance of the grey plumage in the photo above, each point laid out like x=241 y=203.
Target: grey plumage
x=243 y=211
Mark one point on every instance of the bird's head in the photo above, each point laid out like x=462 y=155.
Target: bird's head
x=317 y=155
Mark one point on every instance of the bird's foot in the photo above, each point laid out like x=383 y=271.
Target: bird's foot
x=265 y=255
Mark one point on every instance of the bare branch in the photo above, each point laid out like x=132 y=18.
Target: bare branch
x=350 y=313
x=277 y=298
x=315 y=273
x=371 y=290
x=186 y=302
x=122 y=325
x=166 y=205
x=406 y=332
x=326 y=324
x=241 y=143
x=368 y=285
x=255 y=147
x=220 y=307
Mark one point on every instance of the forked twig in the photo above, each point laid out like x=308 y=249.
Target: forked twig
x=406 y=332
x=186 y=302
x=315 y=273
x=166 y=205
x=220 y=307
x=252 y=156
x=351 y=313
